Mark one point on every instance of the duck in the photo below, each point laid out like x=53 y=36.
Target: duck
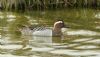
x=44 y=31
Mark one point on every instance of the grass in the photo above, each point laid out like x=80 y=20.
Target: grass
x=46 y=4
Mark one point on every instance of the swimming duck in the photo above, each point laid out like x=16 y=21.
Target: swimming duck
x=43 y=31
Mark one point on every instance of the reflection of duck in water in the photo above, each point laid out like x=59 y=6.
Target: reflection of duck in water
x=42 y=31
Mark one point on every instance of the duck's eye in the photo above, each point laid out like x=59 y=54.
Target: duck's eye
x=61 y=24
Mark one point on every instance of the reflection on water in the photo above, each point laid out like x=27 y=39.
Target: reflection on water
x=43 y=39
x=82 y=39
x=9 y=55
x=77 y=53
x=11 y=46
x=83 y=32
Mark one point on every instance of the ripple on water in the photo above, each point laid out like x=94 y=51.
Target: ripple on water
x=1 y=17
x=95 y=55
x=44 y=49
x=1 y=13
x=97 y=15
x=33 y=22
x=0 y=36
x=83 y=39
x=98 y=27
x=28 y=17
x=10 y=46
x=11 y=16
x=62 y=46
x=5 y=28
x=5 y=40
x=9 y=20
x=83 y=32
x=75 y=52
x=9 y=55
x=94 y=41
x=87 y=47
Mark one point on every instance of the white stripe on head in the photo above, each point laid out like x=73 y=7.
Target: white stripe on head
x=58 y=22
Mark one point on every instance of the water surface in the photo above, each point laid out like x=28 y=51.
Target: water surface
x=81 y=39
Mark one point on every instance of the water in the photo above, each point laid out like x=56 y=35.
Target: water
x=81 y=39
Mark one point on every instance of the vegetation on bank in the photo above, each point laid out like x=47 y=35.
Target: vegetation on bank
x=46 y=4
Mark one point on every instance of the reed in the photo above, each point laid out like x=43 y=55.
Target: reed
x=46 y=4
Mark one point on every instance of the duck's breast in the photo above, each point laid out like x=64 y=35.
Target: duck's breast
x=46 y=32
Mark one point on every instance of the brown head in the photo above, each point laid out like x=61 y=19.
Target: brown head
x=58 y=25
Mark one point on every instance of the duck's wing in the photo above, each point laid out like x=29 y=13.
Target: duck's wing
x=36 y=27
x=39 y=28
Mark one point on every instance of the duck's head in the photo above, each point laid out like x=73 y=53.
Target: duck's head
x=59 y=24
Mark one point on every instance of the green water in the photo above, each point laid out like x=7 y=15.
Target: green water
x=82 y=39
